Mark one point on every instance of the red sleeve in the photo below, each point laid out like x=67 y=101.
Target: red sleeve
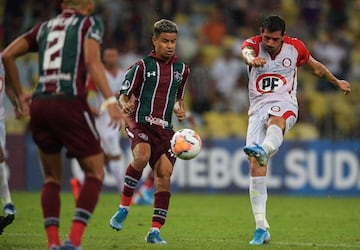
x=303 y=52
x=252 y=42
x=90 y=84
x=31 y=37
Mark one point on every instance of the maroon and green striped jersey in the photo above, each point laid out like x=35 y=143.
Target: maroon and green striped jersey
x=59 y=42
x=156 y=85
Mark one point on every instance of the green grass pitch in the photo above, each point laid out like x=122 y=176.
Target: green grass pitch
x=199 y=221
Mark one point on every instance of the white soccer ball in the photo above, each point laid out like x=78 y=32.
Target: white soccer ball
x=186 y=144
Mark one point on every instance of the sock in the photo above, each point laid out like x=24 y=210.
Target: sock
x=132 y=177
x=85 y=205
x=161 y=205
x=4 y=185
x=273 y=139
x=50 y=203
x=117 y=171
x=258 y=197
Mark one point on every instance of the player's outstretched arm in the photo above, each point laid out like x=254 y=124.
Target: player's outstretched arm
x=321 y=71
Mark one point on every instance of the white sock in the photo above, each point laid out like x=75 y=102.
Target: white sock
x=258 y=197
x=118 y=172
x=4 y=187
x=273 y=139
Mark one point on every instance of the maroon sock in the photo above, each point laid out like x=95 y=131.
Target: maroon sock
x=50 y=203
x=85 y=205
x=132 y=177
x=161 y=205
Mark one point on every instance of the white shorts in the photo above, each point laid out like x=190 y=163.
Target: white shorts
x=257 y=120
x=110 y=137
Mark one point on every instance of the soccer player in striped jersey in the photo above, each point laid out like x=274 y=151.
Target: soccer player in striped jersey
x=273 y=59
x=69 y=48
x=153 y=90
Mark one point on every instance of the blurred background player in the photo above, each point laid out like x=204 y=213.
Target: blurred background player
x=5 y=196
x=68 y=46
x=109 y=136
x=273 y=60
x=148 y=94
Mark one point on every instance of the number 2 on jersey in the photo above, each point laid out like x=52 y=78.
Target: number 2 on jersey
x=52 y=56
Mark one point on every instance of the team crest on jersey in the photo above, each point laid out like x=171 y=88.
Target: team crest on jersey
x=267 y=83
x=178 y=76
x=286 y=62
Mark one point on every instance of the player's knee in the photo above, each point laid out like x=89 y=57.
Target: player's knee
x=140 y=161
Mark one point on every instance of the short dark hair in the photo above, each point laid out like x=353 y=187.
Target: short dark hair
x=273 y=23
x=164 y=26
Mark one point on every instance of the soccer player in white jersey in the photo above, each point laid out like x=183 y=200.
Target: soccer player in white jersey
x=5 y=196
x=109 y=136
x=272 y=59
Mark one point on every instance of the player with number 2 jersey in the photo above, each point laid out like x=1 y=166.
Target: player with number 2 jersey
x=68 y=46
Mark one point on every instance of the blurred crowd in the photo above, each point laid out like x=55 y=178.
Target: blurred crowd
x=209 y=40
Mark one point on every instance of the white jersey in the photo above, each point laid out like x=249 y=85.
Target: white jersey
x=277 y=79
x=110 y=137
x=114 y=81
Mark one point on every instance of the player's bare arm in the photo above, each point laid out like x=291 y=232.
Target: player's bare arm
x=248 y=54
x=321 y=71
x=17 y=48
x=179 y=109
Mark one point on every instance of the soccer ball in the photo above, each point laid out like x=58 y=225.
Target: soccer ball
x=186 y=144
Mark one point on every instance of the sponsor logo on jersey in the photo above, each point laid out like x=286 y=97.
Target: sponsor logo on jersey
x=156 y=121
x=152 y=73
x=267 y=83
